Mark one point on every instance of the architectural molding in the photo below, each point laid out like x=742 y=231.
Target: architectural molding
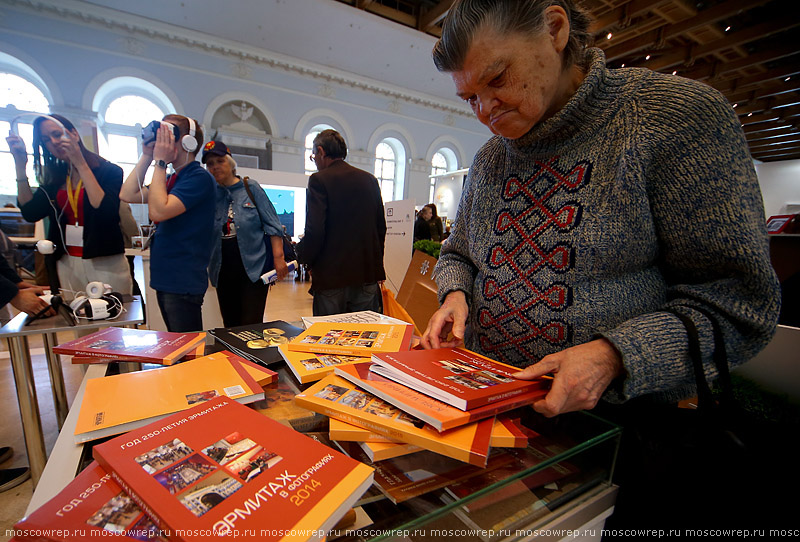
x=244 y=55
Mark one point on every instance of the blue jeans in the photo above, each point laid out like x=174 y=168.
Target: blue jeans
x=181 y=312
x=364 y=297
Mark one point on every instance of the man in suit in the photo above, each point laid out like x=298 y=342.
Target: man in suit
x=345 y=232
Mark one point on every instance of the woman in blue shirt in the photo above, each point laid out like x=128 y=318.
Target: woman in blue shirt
x=247 y=243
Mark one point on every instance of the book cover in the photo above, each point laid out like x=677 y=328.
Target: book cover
x=260 y=374
x=358 y=317
x=257 y=342
x=308 y=367
x=456 y=376
x=223 y=469
x=126 y=344
x=406 y=477
x=337 y=398
x=506 y=433
x=278 y=404
x=437 y=413
x=119 y=403
x=352 y=339
x=91 y=506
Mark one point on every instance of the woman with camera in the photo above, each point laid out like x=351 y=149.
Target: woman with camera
x=182 y=207
x=79 y=192
x=248 y=240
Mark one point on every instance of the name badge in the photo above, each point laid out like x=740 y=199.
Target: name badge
x=74 y=235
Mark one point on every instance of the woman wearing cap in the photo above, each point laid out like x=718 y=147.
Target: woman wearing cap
x=79 y=192
x=248 y=240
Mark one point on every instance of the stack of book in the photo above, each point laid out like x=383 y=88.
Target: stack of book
x=447 y=401
x=136 y=345
x=217 y=469
x=114 y=404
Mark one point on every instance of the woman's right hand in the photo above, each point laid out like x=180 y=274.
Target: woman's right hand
x=451 y=317
x=17 y=148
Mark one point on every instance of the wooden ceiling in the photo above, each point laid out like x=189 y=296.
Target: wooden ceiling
x=747 y=49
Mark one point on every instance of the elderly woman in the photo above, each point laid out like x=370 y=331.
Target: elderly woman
x=248 y=240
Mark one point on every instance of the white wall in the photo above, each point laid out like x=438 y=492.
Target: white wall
x=780 y=185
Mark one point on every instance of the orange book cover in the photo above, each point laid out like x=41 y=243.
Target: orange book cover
x=456 y=376
x=261 y=375
x=91 y=506
x=437 y=413
x=352 y=339
x=380 y=451
x=223 y=469
x=119 y=403
x=309 y=367
x=125 y=344
x=506 y=433
x=338 y=398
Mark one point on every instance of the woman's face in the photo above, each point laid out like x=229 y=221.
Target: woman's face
x=426 y=213
x=514 y=81
x=51 y=137
x=220 y=168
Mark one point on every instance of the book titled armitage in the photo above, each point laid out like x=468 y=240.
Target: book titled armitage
x=456 y=376
x=142 y=345
x=222 y=469
x=352 y=339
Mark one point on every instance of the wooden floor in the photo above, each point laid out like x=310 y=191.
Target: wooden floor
x=288 y=300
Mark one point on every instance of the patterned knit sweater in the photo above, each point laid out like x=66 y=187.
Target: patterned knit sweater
x=639 y=194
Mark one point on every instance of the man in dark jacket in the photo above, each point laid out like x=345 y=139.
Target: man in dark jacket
x=345 y=232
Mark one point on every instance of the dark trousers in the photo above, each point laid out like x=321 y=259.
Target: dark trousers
x=181 y=312
x=241 y=301
x=364 y=297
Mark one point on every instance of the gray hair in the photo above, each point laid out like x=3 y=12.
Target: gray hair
x=332 y=143
x=467 y=17
x=231 y=162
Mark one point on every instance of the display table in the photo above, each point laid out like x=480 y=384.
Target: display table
x=16 y=334
x=588 y=445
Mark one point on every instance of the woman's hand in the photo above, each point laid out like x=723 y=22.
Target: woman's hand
x=17 y=148
x=451 y=317
x=164 y=148
x=581 y=375
x=71 y=148
x=281 y=268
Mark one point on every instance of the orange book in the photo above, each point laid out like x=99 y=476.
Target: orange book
x=142 y=345
x=337 y=398
x=455 y=376
x=223 y=469
x=261 y=375
x=432 y=411
x=310 y=367
x=352 y=339
x=91 y=506
x=380 y=451
x=506 y=433
x=119 y=403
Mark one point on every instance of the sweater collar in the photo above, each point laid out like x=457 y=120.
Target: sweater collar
x=586 y=111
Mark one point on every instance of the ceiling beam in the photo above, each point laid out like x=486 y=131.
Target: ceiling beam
x=432 y=17
x=622 y=15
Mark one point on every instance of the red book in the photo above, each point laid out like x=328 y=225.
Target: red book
x=222 y=469
x=142 y=345
x=91 y=506
x=455 y=376
x=436 y=413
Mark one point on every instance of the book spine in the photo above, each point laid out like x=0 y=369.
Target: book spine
x=322 y=349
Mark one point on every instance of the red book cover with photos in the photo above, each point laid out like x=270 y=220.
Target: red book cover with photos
x=223 y=469
x=91 y=506
x=456 y=376
x=126 y=344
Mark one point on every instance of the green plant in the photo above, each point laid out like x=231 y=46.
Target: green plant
x=431 y=248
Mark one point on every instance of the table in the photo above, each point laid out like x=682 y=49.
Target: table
x=16 y=335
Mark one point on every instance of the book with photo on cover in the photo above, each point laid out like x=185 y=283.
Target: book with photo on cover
x=90 y=506
x=223 y=469
x=119 y=403
x=437 y=413
x=358 y=317
x=352 y=339
x=309 y=367
x=335 y=397
x=456 y=376
x=127 y=344
x=257 y=342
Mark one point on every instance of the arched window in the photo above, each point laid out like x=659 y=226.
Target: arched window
x=309 y=166
x=390 y=158
x=17 y=95
x=125 y=104
x=443 y=160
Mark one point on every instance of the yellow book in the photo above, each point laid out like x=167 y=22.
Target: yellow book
x=309 y=367
x=352 y=339
x=119 y=403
